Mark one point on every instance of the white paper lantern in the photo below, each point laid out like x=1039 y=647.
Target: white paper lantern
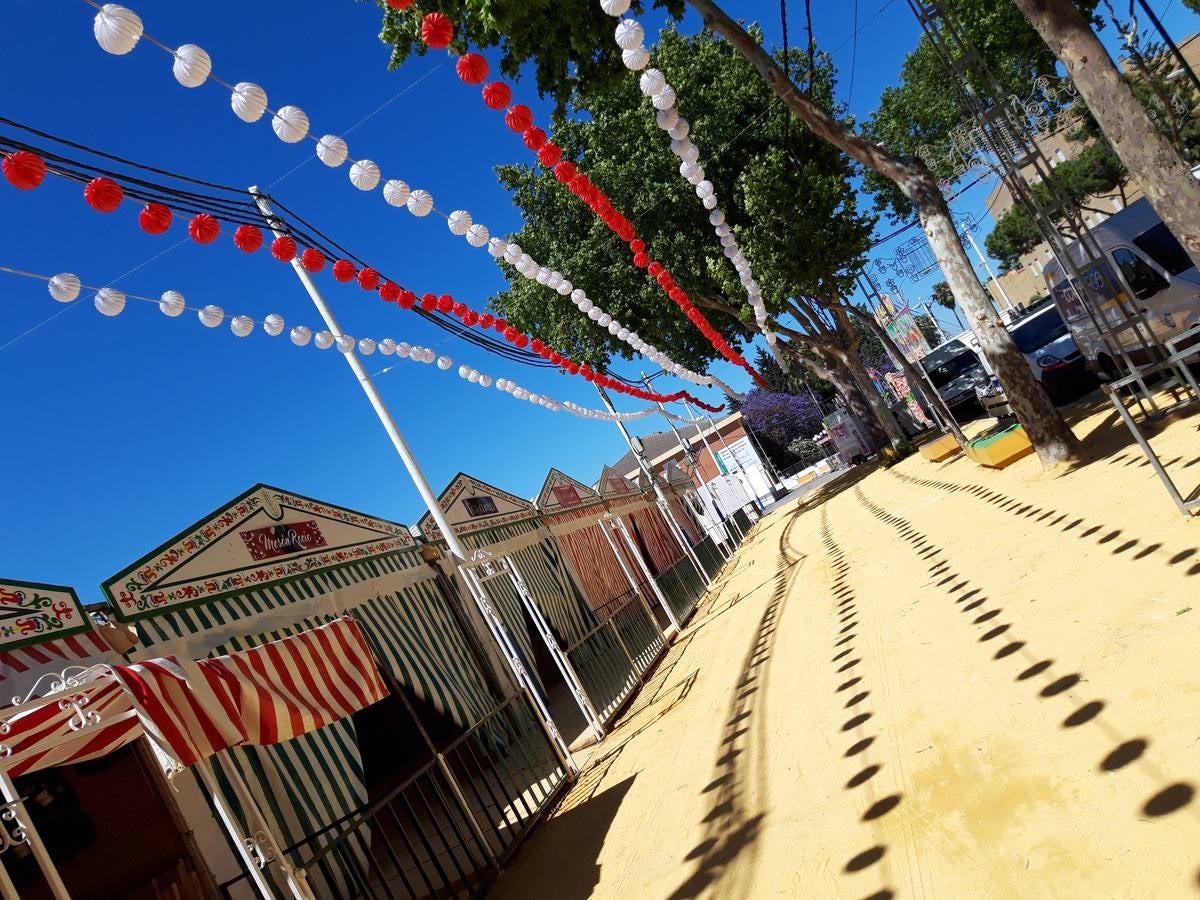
x=564 y=287
x=332 y=150
x=578 y=296
x=464 y=370
x=554 y=280
x=473 y=377
x=364 y=175
x=586 y=305
x=497 y=247
x=728 y=240
x=485 y=381
x=635 y=59
x=64 y=287
x=652 y=81
x=688 y=170
x=543 y=275
x=666 y=118
x=366 y=346
x=387 y=346
x=323 y=339
x=241 y=325
x=629 y=34
x=594 y=313
x=512 y=252
x=691 y=153
x=722 y=229
x=248 y=100
x=444 y=362
x=623 y=334
x=192 y=65
x=614 y=327
x=396 y=192
x=614 y=7
x=290 y=124
x=604 y=319
x=420 y=202
x=301 y=335
x=211 y=316
x=717 y=217
x=345 y=343
x=273 y=324
x=458 y=222
x=477 y=235
x=404 y=349
x=109 y=301
x=119 y=29
x=665 y=99
x=704 y=189
x=680 y=130
x=710 y=202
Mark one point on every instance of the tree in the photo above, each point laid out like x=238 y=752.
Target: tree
x=781 y=418
x=929 y=329
x=1149 y=155
x=942 y=295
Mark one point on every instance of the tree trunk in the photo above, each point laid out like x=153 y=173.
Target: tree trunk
x=1147 y=153
x=926 y=395
x=880 y=410
x=1049 y=434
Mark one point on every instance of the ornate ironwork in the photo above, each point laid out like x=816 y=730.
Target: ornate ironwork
x=261 y=848
x=12 y=830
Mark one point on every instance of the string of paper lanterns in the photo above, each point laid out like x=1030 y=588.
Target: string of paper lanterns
x=118 y=30
x=106 y=195
x=653 y=83
x=66 y=287
x=473 y=68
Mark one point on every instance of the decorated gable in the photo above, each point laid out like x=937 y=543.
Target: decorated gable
x=562 y=492
x=471 y=505
x=676 y=477
x=613 y=486
x=31 y=613
x=264 y=536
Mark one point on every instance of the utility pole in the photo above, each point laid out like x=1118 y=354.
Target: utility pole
x=941 y=335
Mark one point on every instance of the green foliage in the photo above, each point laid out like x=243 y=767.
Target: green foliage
x=569 y=42
x=924 y=106
x=929 y=330
x=1014 y=235
x=897 y=452
x=942 y=295
x=799 y=380
x=787 y=193
x=804 y=447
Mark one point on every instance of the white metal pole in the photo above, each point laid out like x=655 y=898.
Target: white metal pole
x=737 y=473
x=619 y=524
x=368 y=386
x=12 y=799
x=992 y=275
x=7 y=889
x=612 y=519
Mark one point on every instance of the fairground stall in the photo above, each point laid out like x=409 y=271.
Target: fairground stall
x=654 y=532
x=578 y=659
x=421 y=793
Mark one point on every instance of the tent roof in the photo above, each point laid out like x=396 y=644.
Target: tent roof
x=471 y=505
x=612 y=484
x=560 y=491
x=262 y=536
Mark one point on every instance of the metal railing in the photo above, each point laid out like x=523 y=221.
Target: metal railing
x=612 y=657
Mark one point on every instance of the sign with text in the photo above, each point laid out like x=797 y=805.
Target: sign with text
x=280 y=540
x=32 y=613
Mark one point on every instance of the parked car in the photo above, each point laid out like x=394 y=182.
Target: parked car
x=956 y=370
x=1043 y=337
x=1141 y=260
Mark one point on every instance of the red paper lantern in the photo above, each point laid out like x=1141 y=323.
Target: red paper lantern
x=312 y=259
x=248 y=238
x=500 y=325
x=664 y=279
x=24 y=170
x=389 y=291
x=564 y=171
x=472 y=68
x=103 y=194
x=536 y=346
x=641 y=260
x=655 y=268
x=549 y=155
x=155 y=218
x=429 y=302
x=471 y=318
x=497 y=95
x=486 y=320
x=203 y=228
x=399 y=4
x=535 y=138
x=283 y=249
x=437 y=30
x=407 y=300
x=343 y=270
x=368 y=278
x=545 y=353
x=519 y=117
x=460 y=309
x=573 y=368
x=521 y=342
x=637 y=246
x=510 y=334
x=445 y=303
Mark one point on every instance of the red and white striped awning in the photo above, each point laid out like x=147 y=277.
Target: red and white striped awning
x=192 y=710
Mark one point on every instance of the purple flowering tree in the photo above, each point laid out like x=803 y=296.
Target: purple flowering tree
x=781 y=418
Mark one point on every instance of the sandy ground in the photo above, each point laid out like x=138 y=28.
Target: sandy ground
x=933 y=681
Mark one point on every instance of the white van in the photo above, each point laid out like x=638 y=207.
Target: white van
x=1143 y=259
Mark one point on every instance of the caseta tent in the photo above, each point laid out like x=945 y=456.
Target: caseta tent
x=272 y=564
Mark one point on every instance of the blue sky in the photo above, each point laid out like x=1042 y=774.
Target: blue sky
x=123 y=431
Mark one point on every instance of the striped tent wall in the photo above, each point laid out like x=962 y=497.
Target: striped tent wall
x=589 y=554
x=550 y=584
x=660 y=541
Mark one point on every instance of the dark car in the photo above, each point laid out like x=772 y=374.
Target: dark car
x=1046 y=342
x=956 y=371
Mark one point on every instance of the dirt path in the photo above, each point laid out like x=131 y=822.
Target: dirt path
x=934 y=681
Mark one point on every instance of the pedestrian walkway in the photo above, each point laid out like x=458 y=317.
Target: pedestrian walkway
x=932 y=681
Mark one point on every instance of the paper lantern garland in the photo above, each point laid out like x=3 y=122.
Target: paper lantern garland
x=437 y=30
x=103 y=194
x=204 y=228
x=155 y=218
x=249 y=101
x=192 y=66
x=472 y=68
x=117 y=29
x=290 y=124
x=64 y=287
x=248 y=238
x=24 y=170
